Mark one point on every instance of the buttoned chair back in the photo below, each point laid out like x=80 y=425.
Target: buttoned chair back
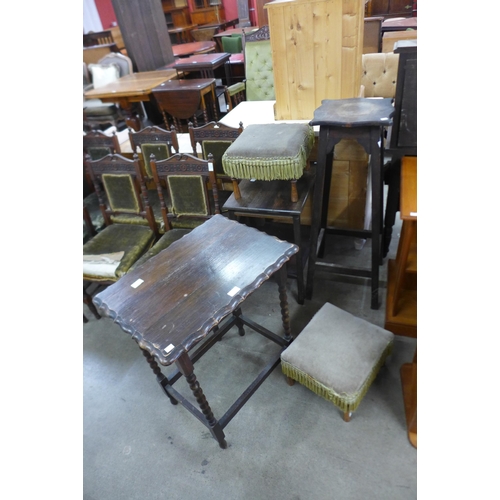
x=259 y=66
x=379 y=74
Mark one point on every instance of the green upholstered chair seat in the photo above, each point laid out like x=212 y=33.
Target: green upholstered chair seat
x=337 y=356
x=132 y=240
x=272 y=151
x=236 y=87
x=164 y=242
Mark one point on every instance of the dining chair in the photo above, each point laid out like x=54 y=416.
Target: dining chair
x=96 y=144
x=161 y=143
x=214 y=138
x=192 y=188
x=232 y=44
x=259 y=75
x=120 y=188
x=108 y=69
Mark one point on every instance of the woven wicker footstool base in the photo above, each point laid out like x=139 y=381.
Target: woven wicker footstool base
x=337 y=356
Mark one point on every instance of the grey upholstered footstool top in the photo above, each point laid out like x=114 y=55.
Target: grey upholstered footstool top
x=337 y=356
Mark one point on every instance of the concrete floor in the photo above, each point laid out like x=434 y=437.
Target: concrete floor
x=285 y=443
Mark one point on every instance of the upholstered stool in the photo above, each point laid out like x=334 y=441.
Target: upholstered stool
x=267 y=152
x=337 y=356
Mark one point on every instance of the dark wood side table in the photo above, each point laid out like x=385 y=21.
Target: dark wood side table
x=362 y=120
x=204 y=64
x=178 y=304
x=181 y=99
x=271 y=200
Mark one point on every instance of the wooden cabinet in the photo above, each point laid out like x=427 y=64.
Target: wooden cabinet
x=207 y=15
x=261 y=12
x=176 y=13
x=390 y=8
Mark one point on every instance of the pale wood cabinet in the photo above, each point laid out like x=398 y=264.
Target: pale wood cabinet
x=317 y=47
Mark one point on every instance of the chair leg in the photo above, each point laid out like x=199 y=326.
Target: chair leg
x=87 y=299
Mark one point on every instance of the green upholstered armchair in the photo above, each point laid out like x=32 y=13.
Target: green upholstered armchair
x=192 y=188
x=259 y=77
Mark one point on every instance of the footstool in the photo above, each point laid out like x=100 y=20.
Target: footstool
x=268 y=152
x=337 y=356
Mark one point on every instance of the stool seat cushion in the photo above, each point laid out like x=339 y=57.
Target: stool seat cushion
x=270 y=151
x=337 y=356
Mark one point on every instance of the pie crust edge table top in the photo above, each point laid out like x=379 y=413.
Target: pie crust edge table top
x=192 y=286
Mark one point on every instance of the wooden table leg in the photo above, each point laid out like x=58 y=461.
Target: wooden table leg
x=186 y=367
x=297 y=236
x=285 y=314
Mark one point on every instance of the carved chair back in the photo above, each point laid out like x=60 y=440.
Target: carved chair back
x=188 y=180
x=153 y=140
x=120 y=187
x=214 y=138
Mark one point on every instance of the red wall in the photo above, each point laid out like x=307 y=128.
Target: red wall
x=106 y=13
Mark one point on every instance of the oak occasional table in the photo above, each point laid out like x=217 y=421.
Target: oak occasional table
x=178 y=304
x=128 y=89
x=362 y=120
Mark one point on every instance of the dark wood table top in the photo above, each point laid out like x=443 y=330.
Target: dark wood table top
x=187 y=49
x=355 y=112
x=172 y=302
x=201 y=61
x=183 y=84
x=399 y=24
x=236 y=31
x=181 y=29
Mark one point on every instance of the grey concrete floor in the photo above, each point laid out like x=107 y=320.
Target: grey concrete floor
x=285 y=443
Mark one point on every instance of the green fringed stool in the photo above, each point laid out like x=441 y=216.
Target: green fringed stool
x=268 y=152
x=337 y=356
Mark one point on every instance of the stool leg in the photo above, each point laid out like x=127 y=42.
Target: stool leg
x=298 y=256
x=236 y=189
x=347 y=416
x=294 y=195
x=290 y=381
